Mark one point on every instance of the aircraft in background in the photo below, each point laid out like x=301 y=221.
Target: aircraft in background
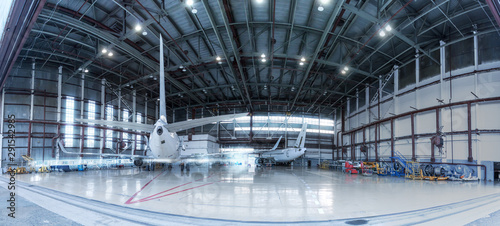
x=288 y=154
x=164 y=143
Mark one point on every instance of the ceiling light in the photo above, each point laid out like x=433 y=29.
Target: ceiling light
x=194 y=11
x=86 y=70
x=128 y=85
x=158 y=99
x=324 y=94
x=263 y=60
x=204 y=90
x=151 y=76
x=189 y=2
x=260 y=1
x=324 y=1
x=220 y=62
x=110 y=54
x=144 y=33
x=321 y=8
x=293 y=88
x=181 y=67
x=263 y=55
x=382 y=33
x=346 y=68
x=301 y=63
x=218 y=58
x=265 y=86
x=104 y=50
x=388 y=27
x=302 y=59
x=184 y=69
x=80 y=69
x=138 y=27
x=343 y=72
x=155 y=78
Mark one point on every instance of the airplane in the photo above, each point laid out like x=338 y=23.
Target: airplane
x=288 y=154
x=163 y=142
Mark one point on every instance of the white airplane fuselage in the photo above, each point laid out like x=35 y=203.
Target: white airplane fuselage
x=284 y=155
x=164 y=144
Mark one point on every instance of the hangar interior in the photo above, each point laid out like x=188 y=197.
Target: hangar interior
x=403 y=89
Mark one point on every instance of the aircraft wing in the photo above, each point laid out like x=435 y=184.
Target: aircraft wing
x=63 y=149
x=178 y=126
x=128 y=125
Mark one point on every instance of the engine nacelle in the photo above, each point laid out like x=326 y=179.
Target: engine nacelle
x=138 y=162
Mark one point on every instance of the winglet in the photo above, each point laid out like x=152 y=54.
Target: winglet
x=276 y=145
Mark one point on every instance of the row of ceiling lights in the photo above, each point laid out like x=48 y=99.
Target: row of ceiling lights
x=137 y=28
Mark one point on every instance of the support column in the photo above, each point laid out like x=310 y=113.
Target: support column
x=119 y=104
x=396 y=100
x=335 y=135
x=342 y=113
x=476 y=105
x=413 y=156
x=353 y=146
x=442 y=68
x=364 y=143
x=32 y=105
x=103 y=114
x=417 y=84
x=146 y=109
x=392 y=138
x=348 y=113
x=134 y=118
x=32 y=91
x=82 y=108
x=469 y=131
x=433 y=158
x=59 y=111
x=367 y=112
x=319 y=132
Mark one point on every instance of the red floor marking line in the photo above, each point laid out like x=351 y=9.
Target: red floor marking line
x=133 y=196
x=173 y=193
x=149 y=198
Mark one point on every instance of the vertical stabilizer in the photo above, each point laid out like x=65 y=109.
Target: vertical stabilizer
x=276 y=145
x=163 y=107
x=301 y=139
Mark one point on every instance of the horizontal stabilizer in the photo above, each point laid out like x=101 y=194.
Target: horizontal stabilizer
x=173 y=127
x=126 y=125
x=178 y=126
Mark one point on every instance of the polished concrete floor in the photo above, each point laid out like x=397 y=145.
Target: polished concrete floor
x=280 y=194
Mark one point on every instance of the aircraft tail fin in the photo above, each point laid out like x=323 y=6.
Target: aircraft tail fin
x=277 y=143
x=163 y=106
x=301 y=139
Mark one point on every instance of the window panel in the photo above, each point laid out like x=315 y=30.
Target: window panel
x=91 y=131
x=109 y=133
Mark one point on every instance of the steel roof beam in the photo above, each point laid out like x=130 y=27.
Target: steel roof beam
x=321 y=42
x=394 y=31
x=117 y=43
